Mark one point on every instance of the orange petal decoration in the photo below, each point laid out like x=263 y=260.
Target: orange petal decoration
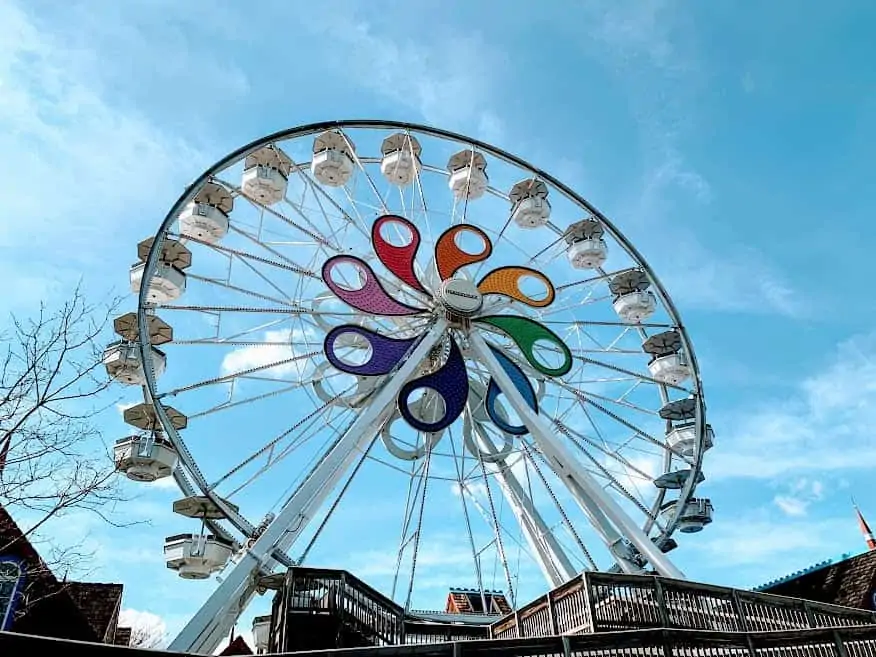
x=506 y=281
x=449 y=258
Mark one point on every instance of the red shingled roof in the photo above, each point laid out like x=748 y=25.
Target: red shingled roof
x=237 y=647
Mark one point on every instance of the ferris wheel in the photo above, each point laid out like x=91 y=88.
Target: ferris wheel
x=411 y=344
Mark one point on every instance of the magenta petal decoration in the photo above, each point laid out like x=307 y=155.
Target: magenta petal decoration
x=369 y=297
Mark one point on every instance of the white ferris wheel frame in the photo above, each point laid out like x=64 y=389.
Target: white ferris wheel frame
x=212 y=622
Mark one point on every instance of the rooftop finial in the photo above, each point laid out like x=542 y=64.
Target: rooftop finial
x=865 y=528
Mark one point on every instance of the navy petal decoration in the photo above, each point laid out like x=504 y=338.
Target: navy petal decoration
x=450 y=381
x=524 y=387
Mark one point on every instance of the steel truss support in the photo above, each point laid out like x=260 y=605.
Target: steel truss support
x=551 y=557
x=214 y=620
x=608 y=518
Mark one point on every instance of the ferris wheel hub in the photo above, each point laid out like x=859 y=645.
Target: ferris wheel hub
x=460 y=296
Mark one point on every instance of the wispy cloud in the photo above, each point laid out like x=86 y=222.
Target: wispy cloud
x=445 y=76
x=79 y=158
x=823 y=426
x=799 y=496
x=758 y=547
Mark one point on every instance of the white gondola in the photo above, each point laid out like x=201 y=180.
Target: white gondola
x=530 y=207
x=671 y=368
x=400 y=162
x=127 y=327
x=695 y=515
x=168 y=280
x=587 y=248
x=633 y=302
x=167 y=283
x=145 y=458
x=122 y=362
x=261 y=633
x=266 y=175
x=196 y=556
x=332 y=163
x=468 y=175
x=635 y=307
x=668 y=361
x=206 y=217
x=682 y=439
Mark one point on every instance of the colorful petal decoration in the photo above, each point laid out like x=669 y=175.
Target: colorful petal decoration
x=369 y=297
x=398 y=259
x=450 y=381
x=524 y=387
x=526 y=333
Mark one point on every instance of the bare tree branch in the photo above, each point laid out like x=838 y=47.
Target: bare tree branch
x=53 y=460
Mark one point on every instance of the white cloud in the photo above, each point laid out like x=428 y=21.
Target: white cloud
x=445 y=76
x=761 y=541
x=792 y=506
x=800 y=495
x=823 y=426
x=737 y=281
x=81 y=165
x=121 y=407
x=297 y=343
x=147 y=629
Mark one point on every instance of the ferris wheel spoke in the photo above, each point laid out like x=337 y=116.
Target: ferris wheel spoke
x=607 y=474
x=541 y=544
x=603 y=277
x=320 y=239
x=459 y=464
x=304 y=429
x=242 y=373
x=583 y=399
x=567 y=524
x=365 y=173
x=577 y=438
x=240 y=290
x=334 y=505
x=247 y=256
x=274 y=252
x=321 y=196
x=231 y=405
x=497 y=534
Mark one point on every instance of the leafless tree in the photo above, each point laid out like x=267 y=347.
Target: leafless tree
x=147 y=630
x=52 y=457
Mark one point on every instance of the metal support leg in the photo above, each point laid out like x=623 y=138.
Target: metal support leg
x=551 y=557
x=217 y=615
x=581 y=484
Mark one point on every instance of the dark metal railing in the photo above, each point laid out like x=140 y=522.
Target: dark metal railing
x=825 y=642
x=603 y=602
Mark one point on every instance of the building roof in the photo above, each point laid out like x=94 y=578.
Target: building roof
x=123 y=636
x=237 y=647
x=470 y=601
x=101 y=604
x=849 y=581
x=70 y=610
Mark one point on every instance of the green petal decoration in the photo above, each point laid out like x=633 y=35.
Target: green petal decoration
x=525 y=333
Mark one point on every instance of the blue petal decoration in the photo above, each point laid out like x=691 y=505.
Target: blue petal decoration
x=450 y=382
x=524 y=387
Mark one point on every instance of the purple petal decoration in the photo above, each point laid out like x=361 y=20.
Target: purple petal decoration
x=386 y=352
x=371 y=297
x=450 y=382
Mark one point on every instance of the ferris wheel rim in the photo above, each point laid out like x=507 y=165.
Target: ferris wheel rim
x=239 y=521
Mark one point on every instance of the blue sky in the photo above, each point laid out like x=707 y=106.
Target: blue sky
x=731 y=142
